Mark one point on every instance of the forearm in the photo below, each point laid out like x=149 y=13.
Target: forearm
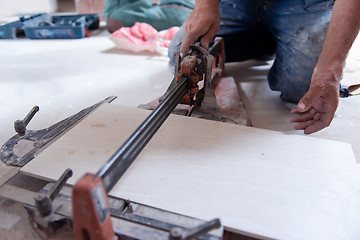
x=206 y=2
x=317 y=108
x=203 y=6
x=343 y=29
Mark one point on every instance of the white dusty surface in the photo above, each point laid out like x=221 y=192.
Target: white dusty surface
x=65 y=76
x=246 y=176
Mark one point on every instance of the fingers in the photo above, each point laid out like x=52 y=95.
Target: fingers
x=317 y=108
x=203 y=22
x=192 y=35
x=317 y=126
x=190 y=38
x=304 y=116
x=307 y=101
x=193 y=32
x=208 y=36
x=303 y=125
x=312 y=121
x=311 y=126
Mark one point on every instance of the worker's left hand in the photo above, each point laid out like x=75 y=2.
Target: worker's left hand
x=317 y=108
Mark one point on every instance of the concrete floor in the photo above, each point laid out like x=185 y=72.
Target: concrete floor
x=65 y=76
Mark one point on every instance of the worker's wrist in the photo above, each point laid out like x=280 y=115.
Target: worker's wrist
x=207 y=3
x=332 y=70
x=207 y=7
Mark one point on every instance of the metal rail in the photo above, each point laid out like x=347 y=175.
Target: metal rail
x=116 y=166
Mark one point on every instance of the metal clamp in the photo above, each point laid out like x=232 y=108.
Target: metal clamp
x=44 y=214
x=43 y=202
x=178 y=233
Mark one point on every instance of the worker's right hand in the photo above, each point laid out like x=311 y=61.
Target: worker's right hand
x=203 y=22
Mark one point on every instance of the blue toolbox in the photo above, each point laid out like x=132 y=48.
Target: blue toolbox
x=46 y=26
x=10 y=30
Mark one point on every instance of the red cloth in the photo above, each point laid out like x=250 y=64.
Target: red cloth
x=143 y=37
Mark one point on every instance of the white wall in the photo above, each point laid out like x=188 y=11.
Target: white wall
x=13 y=7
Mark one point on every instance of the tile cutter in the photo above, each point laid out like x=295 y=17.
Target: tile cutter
x=91 y=207
x=194 y=73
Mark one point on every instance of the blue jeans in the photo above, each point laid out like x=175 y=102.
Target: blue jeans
x=293 y=30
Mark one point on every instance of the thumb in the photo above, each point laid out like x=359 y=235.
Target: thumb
x=185 y=45
x=208 y=36
x=307 y=101
x=205 y=42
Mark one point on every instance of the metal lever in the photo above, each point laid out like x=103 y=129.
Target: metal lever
x=41 y=138
x=20 y=125
x=180 y=234
x=43 y=202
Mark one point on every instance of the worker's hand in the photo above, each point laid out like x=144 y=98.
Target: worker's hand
x=317 y=108
x=203 y=22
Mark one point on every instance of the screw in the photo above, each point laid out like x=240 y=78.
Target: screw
x=20 y=125
x=176 y=233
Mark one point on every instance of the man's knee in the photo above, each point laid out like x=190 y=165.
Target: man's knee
x=291 y=83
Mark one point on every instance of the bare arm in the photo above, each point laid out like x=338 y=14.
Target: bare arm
x=203 y=22
x=317 y=108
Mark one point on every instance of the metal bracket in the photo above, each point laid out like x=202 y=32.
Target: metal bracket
x=39 y=139
x=44 y=213
x=180 y=234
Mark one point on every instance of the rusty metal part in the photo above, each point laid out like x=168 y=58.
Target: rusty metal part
x=197 y=66
x=219 y=98
x=218 y=51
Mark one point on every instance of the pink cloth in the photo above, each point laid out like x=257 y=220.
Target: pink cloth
x=143 y=37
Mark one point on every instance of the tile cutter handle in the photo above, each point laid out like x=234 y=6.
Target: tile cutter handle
x=91 y=215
